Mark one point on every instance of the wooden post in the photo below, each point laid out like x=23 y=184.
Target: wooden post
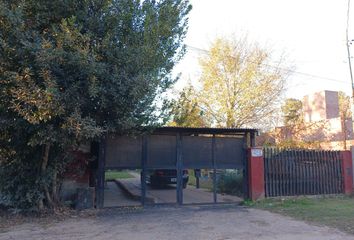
x=253 y=139
x=143 y=169
x=197 y=176
x=100 y=174
x=213 y=148
x=245 y=185
x=352 y=152
x=179 y=166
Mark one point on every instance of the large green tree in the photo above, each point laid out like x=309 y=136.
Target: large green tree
x=185 y=110
x=294 y=129
x=73 y=70
x=292 y=111
x=239 y=87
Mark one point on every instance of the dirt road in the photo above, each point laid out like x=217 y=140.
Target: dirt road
x=217 y=223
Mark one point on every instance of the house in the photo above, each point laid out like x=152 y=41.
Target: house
x=323 y=108
x=321 y=127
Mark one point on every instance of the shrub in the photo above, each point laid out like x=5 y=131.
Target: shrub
x=230 y=182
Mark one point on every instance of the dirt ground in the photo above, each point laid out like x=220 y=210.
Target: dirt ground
x=188 y=222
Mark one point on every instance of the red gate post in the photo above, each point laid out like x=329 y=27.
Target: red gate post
x=255 y=173
x=347 y=171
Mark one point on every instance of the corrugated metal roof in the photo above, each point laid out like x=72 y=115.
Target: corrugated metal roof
x=205 y=130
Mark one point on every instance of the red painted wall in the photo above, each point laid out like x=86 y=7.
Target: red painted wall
x=347 y=170
x=256 y=173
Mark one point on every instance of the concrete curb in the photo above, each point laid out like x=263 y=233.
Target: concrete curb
x=133 y=194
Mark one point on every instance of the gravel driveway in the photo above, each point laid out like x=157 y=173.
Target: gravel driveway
x=208 y=222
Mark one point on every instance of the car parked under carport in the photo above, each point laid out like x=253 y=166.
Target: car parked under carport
x=163 y=177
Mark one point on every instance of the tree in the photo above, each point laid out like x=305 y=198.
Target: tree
x=185 y=110
x=291 y=135
x=71 y=71
x=239 y=86
x=296 y=132
x=344 y=114
x=292 y=111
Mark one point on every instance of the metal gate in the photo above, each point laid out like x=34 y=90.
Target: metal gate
x=291 y=172
x=175 y=148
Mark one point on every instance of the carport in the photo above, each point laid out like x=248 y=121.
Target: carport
x=176 y=148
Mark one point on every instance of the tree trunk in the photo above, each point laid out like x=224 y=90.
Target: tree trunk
x=44 y=165
x=40 y=204
x=55 y=187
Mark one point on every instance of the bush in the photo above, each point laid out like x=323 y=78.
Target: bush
x=19 y=184
x=230 y=182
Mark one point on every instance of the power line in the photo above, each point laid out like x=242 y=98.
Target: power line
x=284 y=69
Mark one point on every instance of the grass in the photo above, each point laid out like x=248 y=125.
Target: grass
x=336 y=211
x=111 y=175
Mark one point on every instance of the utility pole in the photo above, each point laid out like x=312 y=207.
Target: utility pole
x=348 y=51
x=350 y=65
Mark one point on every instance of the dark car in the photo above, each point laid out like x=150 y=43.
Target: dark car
x=163 y=177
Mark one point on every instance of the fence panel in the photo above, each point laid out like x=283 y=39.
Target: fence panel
x=291 y=172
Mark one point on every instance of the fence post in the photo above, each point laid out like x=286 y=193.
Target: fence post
x=352 y=151
x=347 y=171
x=101 y=174
x=256 y=173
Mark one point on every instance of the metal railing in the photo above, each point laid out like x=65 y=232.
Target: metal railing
x=291 y=172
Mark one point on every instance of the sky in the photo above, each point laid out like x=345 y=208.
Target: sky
x=311 y=33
